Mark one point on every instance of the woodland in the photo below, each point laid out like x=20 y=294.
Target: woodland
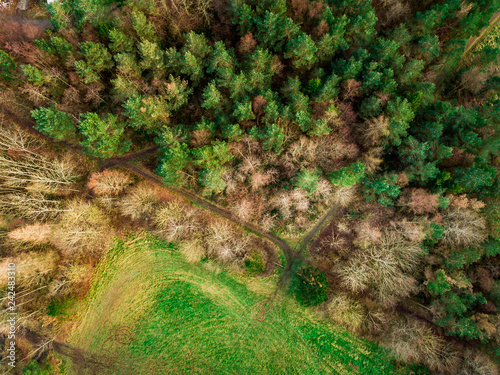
x=274 y=111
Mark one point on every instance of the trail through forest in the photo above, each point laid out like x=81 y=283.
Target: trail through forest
x=292 y=256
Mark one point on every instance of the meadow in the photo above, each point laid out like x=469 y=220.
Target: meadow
x=149 y=311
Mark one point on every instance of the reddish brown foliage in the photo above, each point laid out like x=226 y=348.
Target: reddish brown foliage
x=299 y=8
x=484 y=279
x=110 y=182
x=316 y=9
x=347 y=113
x=459 y=158
x=321 y=29
x=420 y=202
x=247 y=43
x=15 y=32
x=461 y=202
x=402 y=179
x=258 y=105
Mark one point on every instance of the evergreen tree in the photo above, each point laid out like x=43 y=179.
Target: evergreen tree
x=330 y=89
x=152 y=58
x=144 y=29
x=476 y=178
x=307 y=180
x=56 y=124
x=211 y=97
x=148 y=113
x=370 y=107
x=174 y=159
x=302 y=51
x=103 y=138
x=243 y=111
x=382 y=189
x=7 y=66
x=120 y=42
x=96 y=56
x=400 y=115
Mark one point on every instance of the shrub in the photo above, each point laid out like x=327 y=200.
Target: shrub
x=310 y=286
x=348 y=176
x=194 y=250
x=36 y=233
x=226 y=243
x=346 y=311
x=307 y=180
x=412 y=340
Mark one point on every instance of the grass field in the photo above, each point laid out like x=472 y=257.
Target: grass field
x=151 y=312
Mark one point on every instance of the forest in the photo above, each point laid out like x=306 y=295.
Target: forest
x=274 y=111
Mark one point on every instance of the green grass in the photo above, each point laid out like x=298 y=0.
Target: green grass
x=151 y=312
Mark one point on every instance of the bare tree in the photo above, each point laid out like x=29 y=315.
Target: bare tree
x=23 y=167
x=175 y=221
x=109 y=182
x=34 y=206
x=463 y=228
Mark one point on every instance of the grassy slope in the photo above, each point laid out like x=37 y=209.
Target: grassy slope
x=151 y=312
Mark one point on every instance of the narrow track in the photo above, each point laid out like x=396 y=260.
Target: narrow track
x=292 y=256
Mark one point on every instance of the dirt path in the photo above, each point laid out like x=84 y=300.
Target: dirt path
x=144 y=173
x=473 y=42
x=292 y=256
x=309 y=237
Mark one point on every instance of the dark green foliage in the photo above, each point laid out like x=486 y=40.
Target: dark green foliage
x=36 y=368
x=415 y=154
x=479 y=176
x=271 y=136
x=174 y=159
x=54 y=123
x=310 y=286
x=273 y=70
x=211 y=96
x=7 y=66
x=232 y=132
x=142 y=27
x=243 y=111
x=120 y=42
x=439 y=285
x=152 y=57
x=400 y=115
x=255 y=264
x=147 y=113
x=103 y=138
x=96 y=56
x=33 y=74
x=302 y=51
x=211 y=179
x=456 y=309
x=330 y=89
x=371 y=107
x=383 y=189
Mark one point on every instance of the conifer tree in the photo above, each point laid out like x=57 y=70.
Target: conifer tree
x=103 y=137
x=54 y=123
